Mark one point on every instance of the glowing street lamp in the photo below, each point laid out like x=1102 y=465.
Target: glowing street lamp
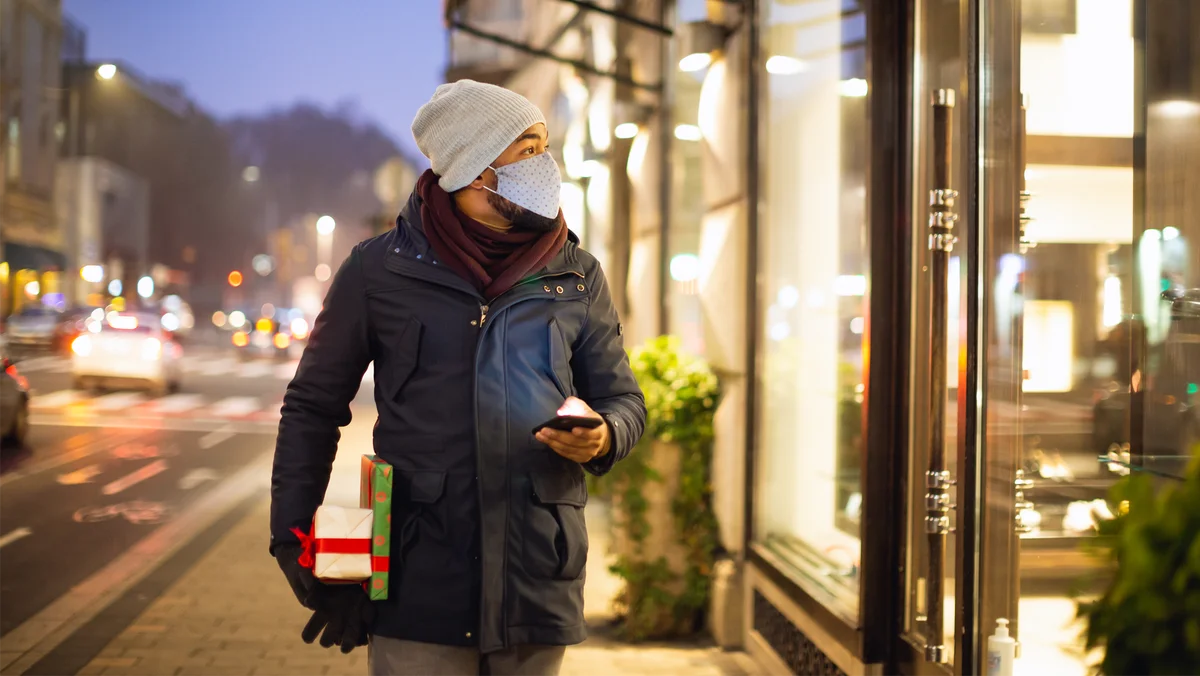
x=92 y=273
x=325 y=225
x=107 y=71
x=145 y=287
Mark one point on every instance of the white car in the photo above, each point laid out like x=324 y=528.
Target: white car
x=126 y=349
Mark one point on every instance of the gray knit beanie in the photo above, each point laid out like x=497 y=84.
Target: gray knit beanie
x=465 y=127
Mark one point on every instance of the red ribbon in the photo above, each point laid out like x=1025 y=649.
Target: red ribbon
x=307 y=542
x=315 y=545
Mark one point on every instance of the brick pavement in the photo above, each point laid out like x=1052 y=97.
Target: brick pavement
x=233 y=613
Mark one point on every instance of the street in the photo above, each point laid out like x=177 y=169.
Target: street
x=103 y=471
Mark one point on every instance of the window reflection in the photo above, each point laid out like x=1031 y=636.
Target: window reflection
x=814 y=267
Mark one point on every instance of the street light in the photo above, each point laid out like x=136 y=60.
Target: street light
x=107 y=71
x=145 y=287
x=325 y=225
x=235 y=279
x=250 y=174
x=92 y=273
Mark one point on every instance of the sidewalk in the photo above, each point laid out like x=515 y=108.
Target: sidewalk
x=233 y=613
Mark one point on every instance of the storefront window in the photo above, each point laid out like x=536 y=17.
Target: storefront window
x=815 y=281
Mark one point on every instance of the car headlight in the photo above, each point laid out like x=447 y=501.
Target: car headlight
x=82 y=345
x=151 y=349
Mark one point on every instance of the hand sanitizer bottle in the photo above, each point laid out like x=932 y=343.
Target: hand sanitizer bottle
x=1002 y=651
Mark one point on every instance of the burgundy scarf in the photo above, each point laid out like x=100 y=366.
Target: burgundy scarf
x=491 y=260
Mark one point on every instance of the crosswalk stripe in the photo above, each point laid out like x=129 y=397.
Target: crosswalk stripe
x=255 y=369
x=233 y=406
x=287 y=371
x=214 y=367
x=37 y=364
x=55 y=399
x=117 y=401
x=178 y=403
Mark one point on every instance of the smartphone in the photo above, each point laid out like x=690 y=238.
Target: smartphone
x=566 y=423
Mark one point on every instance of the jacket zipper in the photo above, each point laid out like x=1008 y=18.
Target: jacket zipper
x=483 y=310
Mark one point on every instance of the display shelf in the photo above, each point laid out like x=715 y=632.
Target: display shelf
x=1163 y=466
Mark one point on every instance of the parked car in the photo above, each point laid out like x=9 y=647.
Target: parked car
x=14 y=401
x=127 y=349
x=33 y=328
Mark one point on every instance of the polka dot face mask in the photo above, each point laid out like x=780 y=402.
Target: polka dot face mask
x=534 y=184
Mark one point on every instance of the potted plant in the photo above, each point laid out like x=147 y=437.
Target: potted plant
x=665 y=531
x=1147 y=618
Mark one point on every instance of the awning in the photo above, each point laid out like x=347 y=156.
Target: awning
x=22 y=256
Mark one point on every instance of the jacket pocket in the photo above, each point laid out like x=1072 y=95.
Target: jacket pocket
x=415 y=494
x=560 y=360
x=404 y=354
x=556 y=539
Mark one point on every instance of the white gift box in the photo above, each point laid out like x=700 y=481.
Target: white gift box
x=338 y=531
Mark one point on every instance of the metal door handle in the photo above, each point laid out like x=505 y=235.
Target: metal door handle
x=938 y=482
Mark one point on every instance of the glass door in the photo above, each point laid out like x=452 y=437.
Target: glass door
x=1090 y=156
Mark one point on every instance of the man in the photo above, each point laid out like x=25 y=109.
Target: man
x=483 y=318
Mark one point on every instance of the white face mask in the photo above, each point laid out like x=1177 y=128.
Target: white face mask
x=535 y=184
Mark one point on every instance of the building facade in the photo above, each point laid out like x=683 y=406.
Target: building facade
x=940 y=254
x=31 y=246
x=104 y=215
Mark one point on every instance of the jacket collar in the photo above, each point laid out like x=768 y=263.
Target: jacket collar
x=410 y=229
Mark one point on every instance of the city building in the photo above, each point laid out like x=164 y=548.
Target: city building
x=31 y=246
x=120 y=133
x=942 y=257
x=104 y=215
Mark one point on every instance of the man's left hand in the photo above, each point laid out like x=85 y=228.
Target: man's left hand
x=580 y=444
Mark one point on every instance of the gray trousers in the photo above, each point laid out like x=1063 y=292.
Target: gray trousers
x=397 y=657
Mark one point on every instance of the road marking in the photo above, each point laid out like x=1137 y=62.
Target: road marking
x=288 y=370
x=193 y=424
x=14 y=535
x=233 y=406
x=103 y=444
x=214 y=367
x=213 y=438
x=79 y=476
x=117 y=401
x=196 y=477
x=156 y=467
x=55 y=399
x=177 y=403
x=255 y=369
x=35 y=364
x=57 y=621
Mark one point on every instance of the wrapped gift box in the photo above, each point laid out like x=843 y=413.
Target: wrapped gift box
x=376 y=494
x=341 y=544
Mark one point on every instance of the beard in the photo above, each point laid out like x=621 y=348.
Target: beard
x=520 y=217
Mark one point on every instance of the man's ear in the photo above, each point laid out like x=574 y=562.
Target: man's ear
x=477 y=184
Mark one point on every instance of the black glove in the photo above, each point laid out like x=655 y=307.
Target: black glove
x=345 y=612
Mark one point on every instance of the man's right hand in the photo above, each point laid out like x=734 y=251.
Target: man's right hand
x=344 y=612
